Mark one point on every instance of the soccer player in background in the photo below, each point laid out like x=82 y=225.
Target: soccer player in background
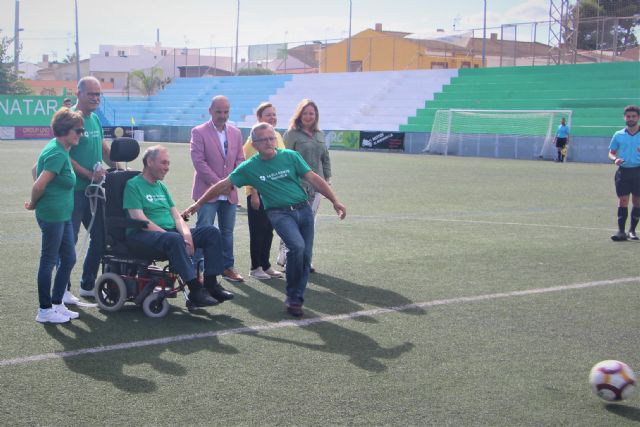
x=562 y=137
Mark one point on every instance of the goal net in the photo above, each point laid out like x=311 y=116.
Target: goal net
x=520 y=134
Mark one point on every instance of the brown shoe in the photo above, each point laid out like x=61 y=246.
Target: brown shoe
x=231 y=275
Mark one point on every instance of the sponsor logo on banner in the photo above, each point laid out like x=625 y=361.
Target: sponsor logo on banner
x=382 y=140
x=111 y=132
x=343 y=139
x=33 y=132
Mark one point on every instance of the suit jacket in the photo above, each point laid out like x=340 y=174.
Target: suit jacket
x=208 y=158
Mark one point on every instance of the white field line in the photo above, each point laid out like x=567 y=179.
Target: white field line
x=311 y=321
x=467 y=221
x=426 y=218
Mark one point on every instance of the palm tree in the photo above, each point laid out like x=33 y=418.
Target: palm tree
x=146 y=82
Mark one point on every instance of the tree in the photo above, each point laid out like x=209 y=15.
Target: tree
x=70 y=58
x=254 y=71
x=599 y=28
x=9 y=81
x=146 y=82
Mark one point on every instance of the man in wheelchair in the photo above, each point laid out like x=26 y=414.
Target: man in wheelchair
x=146 y=198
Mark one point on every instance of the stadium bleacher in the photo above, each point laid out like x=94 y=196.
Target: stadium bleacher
x=596 y=93
x=185 y=102
x=359 y=101
x=398 y=100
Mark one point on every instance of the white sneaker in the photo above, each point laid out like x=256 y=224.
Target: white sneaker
x=273 y=273
x=49 y=315
x=87 y=294
x=69 y=298
x=62 y=309
x=259 y=274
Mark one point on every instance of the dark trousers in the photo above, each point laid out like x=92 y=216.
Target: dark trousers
x=172 y=244
x=260 y=236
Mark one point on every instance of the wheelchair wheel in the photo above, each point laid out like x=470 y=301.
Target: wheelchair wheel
x=111 y=292
x=155 y=305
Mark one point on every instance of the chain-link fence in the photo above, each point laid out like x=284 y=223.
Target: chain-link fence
x=589 y=33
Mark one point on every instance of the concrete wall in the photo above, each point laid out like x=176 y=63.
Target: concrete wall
x=581 y=149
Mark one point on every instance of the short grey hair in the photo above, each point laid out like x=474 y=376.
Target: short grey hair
x=151 y=153
x=218 y=98
x=82 y=82
x=260 y=126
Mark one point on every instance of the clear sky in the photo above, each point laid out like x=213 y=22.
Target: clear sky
x=49 y=24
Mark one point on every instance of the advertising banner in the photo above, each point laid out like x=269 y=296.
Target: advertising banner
x=28 y=110
x=343 y=139
x=112 y=132
x=382 y=140
x=34 y=132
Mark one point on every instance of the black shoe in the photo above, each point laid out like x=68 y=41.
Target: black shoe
x=295 y=310
x=620 y=236
x=201 y=298
x=218 y=292
x=633 y=235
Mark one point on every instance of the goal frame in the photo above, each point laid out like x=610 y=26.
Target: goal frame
x=443 y=138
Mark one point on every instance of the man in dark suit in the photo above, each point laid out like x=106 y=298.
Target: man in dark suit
x=216 y=150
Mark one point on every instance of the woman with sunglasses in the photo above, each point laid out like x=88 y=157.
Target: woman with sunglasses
x=52 y=199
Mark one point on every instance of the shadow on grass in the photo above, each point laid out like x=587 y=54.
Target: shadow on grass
x=350 y=295
x=630 y=412
x=362 y=350
x=109 y=366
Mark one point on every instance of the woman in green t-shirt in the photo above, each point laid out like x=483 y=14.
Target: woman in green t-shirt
x=52 y=199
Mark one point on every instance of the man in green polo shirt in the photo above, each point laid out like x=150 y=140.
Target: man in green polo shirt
x=146 y=198
x=87 y=160
x=276 y=175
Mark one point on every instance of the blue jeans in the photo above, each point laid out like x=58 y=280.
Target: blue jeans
x=226 y=222
x=58 y=248
x=82 y=215
x=295 y=228
x=207 y=239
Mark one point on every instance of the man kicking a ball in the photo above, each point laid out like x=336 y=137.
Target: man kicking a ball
x=276 y=175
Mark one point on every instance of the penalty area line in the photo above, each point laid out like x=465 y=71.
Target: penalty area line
x=306 y=322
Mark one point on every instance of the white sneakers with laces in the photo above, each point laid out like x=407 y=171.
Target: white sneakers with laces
x=49 y=315
x=258 y=273
x=62 y=309
x=69 y=298
x=58 y=313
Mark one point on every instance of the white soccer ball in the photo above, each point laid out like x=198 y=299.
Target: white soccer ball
x=612 y=380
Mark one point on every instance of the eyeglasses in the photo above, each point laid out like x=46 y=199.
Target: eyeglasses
x=95 y=94
x=269 y=138
x=79 y=131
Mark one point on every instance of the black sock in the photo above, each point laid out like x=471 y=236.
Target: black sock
x=623 y=212
x=210 y=280
x=193 y=284
x=635 y=217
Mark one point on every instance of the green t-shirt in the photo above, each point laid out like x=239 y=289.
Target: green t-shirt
x=277 y=179
x=154 y=200
x=56 y=204
x=88 y=152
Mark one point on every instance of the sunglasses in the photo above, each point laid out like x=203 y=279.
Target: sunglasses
x=79 y=131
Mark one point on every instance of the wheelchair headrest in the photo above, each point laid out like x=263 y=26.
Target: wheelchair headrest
x=124 y=150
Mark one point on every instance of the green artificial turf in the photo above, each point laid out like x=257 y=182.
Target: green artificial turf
x=418 y=229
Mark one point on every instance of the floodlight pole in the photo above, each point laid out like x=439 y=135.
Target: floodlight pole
x=237 y=33
x=484 y=35
x=349 y=40
x=77 y=44
x=16 y=39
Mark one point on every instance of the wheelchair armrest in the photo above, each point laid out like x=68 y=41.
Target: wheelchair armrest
x=119 y=222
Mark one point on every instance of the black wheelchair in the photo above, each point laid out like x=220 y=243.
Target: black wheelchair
x=130 y=272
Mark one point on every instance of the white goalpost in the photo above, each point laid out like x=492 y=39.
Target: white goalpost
x=496 y=133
